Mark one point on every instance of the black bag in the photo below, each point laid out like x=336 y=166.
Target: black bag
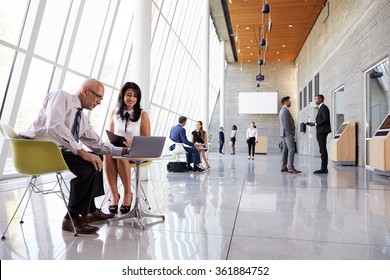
x=177 y=166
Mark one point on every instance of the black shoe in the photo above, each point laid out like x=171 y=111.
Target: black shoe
x=98 y=215
x=189 y=167
x=81 y=226
x=321 y=171
x=198 y=169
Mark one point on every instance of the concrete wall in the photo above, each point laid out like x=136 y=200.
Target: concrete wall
x=279 y=76
x=354 y=37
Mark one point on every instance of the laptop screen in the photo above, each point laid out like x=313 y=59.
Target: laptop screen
x=147 y=146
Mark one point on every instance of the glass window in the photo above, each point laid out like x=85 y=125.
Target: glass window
x=339 y=108
x=6 y=58
x=377 y=80
x=317 y=84
x=34 y=93
x=117 y=43
x=310 y=91
x=12 y=14
x=300 y=100
x=168 y=9
x=52 y=27
x=29 y=23
x=377 y=100
x=88 y=36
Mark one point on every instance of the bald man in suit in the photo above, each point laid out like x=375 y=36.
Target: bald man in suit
x=322 y=125
x=287 y=132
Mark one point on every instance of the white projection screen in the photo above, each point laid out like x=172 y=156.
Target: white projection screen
x=258 y=103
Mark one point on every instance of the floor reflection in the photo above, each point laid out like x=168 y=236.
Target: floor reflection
x=239 y=209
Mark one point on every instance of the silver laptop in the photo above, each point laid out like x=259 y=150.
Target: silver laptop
x=147 y=146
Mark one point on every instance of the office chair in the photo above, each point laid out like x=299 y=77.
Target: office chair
x=178 y=150
x=35 y=158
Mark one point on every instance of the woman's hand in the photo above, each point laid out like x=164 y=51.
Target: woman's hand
x=128 y=143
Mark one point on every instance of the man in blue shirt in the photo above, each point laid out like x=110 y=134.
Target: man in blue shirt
x=178 y=135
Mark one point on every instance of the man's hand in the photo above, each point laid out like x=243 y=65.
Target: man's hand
x=125 y=151
x=92 y=158
x=310 y=124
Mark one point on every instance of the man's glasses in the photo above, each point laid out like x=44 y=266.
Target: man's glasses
x=97 y=95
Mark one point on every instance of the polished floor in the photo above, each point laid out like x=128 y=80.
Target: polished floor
x=240 y=209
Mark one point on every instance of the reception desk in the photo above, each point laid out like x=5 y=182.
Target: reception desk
x=343 y=144
x=261 y=145
x=380 y=147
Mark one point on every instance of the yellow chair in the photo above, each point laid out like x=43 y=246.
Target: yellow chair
x=35 y=158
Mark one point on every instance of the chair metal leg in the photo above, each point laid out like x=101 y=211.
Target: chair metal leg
x=31 y=186
x=17 y=208
x=61 y=182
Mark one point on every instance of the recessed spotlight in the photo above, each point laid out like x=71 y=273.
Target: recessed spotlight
x=277 y=52
x=290 y=25
x=247 y=28
x=248 y=47
x=284 y=46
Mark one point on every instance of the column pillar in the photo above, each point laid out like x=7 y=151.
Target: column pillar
x=205 y=64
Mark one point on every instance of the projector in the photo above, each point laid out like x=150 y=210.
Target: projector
x=259 y=77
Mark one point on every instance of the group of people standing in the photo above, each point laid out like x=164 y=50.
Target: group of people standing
x=251 y=139
x=287 y=132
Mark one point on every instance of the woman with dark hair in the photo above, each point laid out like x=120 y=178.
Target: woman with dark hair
x=200 y=136
x=127 y=119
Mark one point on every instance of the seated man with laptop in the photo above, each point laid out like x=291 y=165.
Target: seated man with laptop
x=178 y=135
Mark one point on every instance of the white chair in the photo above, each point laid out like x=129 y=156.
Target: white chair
x=178 y=150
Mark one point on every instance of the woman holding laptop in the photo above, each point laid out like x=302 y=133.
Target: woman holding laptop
x=127 y=119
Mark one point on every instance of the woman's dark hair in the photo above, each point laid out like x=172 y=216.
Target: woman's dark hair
x=234 y=127
x=137 y=107
x=201 y=131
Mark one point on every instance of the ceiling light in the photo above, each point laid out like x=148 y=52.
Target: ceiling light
x=265 y=9
x=290 y=25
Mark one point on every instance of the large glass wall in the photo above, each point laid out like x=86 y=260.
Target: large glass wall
x=47 y=45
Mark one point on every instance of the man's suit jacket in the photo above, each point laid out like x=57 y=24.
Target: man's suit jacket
x=286 y=121
x=178 y=135
x=323 y=120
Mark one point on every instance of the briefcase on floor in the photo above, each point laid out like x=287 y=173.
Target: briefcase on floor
x=177 y=166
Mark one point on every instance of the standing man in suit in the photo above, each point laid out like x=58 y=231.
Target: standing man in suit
x=221 y=135
x=287 y=132
x=322 y=125
x=178 y=135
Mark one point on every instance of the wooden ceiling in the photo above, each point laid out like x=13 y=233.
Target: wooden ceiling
x=291 y=20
